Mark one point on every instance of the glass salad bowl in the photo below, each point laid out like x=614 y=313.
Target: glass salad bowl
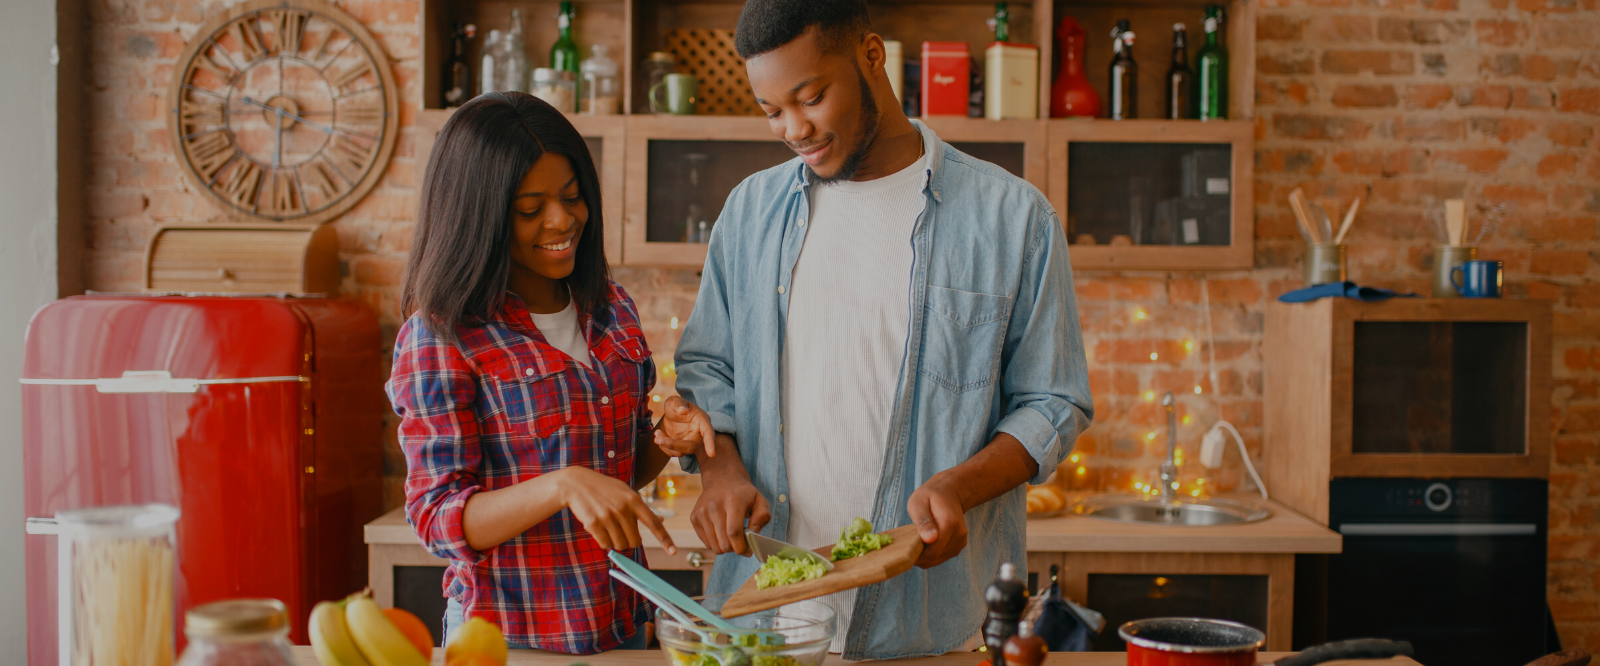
x=795 y=634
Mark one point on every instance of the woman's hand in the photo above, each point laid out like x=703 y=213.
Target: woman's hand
x=685 y=428
x=609 y=509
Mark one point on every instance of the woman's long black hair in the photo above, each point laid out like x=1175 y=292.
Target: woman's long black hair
x=460 y=259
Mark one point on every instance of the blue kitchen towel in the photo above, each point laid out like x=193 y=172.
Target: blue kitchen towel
x=1345 y=289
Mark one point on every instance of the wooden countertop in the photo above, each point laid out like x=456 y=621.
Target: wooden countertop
x=305 y=657
x=1285 y=532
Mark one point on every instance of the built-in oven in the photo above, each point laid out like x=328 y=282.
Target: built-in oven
x=1455 y=566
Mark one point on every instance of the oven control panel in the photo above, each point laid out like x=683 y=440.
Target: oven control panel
x=1439 y=498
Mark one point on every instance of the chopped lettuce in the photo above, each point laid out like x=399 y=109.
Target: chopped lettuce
x=784 y=571
x=858 y=539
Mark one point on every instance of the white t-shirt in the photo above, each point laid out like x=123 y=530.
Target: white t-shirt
x=843 y=350
x=561 y=331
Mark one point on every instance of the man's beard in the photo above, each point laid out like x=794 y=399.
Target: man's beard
x=869 y=132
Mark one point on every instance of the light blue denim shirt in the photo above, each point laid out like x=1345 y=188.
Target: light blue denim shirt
x=993 y=346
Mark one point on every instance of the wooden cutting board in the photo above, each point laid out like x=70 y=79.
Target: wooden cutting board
x=874 y=567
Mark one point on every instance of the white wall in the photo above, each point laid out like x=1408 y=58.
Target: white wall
x=27 y=264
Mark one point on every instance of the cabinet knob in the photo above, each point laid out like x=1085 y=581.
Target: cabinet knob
x=694 y=559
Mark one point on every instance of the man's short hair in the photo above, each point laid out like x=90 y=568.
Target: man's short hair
x=765 y=25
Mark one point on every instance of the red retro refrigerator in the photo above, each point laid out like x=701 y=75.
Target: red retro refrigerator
x=260 y=418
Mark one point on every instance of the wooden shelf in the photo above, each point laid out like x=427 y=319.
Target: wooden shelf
x=635 y=27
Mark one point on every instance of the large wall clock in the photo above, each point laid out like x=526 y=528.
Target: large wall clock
x=283 y=111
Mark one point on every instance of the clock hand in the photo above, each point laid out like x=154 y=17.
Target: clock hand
x=321 y=128
x=285 y=114
x=277 y=141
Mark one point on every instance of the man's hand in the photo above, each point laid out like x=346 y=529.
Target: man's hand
x=727 y=501
x=941 y=522
x=684 y=429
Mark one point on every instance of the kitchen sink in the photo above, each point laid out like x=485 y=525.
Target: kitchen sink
x=1187 y=512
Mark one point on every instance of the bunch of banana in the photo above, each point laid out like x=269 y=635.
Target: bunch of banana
x=355 y=632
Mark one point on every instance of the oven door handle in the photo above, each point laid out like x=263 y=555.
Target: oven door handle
x=1438 y=529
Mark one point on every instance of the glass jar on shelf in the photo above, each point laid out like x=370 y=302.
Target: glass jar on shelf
x=557 y=87
x=654 y=70
x=599 y=88
x=237 y=631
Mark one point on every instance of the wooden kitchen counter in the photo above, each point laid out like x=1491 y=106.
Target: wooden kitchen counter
x=1080 y=547
x=305 y=657
x=1285 y=532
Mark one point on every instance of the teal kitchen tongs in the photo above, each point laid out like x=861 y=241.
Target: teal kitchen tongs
x=668 y=592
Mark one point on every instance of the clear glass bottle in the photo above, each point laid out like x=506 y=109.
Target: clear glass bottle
x=697 y=229
x=504 y=64
x=238 y=632
x=564 y=53
x=1179 y=78
x=599 y=87
x=1124 y=77
x=1211 y=86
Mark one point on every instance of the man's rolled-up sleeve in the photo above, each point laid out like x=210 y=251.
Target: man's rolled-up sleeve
x=1045 y=372
x=704 y=359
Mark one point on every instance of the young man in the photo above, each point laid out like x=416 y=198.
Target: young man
x=885 y=329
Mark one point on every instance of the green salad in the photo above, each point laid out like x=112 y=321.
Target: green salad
x=859 y=539
x=746 y=650
x=783 y=571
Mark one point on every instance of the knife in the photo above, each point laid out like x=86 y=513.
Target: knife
x=763 y=547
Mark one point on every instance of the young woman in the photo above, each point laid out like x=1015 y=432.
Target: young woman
x=522 y=381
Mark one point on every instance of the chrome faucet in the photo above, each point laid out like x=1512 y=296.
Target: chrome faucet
x=1169 y=468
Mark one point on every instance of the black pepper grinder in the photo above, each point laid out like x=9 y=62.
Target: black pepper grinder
x=1006 y=598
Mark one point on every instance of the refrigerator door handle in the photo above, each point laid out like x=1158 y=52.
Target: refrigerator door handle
x=38 y=525
x=157 y=381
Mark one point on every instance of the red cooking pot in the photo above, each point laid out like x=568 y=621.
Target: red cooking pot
x=1193 y=641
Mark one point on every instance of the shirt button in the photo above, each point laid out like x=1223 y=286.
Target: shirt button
x=605 y=400
x=780 y=288
x=801 y=221
x=528 y=372
x=783 y=498
x=611 y=454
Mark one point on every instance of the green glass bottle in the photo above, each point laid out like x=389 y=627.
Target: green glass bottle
x=1001 y=22
x=564 y=54
x=1211 y=80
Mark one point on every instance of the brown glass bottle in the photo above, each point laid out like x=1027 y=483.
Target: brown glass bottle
x=1124 y=78
x=1180 y=79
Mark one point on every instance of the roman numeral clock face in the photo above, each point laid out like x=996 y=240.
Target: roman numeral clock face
x=283 y=110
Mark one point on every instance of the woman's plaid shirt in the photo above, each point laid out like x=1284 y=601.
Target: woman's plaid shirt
x=501 y=408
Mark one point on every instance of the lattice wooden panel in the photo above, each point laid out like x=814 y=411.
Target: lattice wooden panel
x=711 y=57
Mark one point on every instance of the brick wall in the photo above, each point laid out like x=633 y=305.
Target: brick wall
x=1405 y=102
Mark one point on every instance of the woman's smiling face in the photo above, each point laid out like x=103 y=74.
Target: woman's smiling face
x=548 y=216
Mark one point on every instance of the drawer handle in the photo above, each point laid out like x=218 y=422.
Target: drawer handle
x=694 y=559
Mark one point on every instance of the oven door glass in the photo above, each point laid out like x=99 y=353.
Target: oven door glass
x=1462 y=600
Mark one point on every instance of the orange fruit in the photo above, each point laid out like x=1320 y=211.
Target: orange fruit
x=413 y=628
x=474 y=660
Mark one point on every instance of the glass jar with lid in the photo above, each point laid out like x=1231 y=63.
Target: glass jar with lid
x=654 y=69
x=599 y=90
x=238 y=632
x=556 y=87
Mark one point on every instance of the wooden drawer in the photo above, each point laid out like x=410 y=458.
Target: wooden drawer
x=231 y=259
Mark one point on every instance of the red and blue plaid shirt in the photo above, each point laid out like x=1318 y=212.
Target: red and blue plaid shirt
x=501 y=408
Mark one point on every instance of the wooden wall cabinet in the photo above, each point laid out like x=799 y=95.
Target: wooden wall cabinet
x=1403 y=388
x=643 y=156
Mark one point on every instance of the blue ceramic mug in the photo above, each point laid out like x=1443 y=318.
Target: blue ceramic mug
x=1478 y=279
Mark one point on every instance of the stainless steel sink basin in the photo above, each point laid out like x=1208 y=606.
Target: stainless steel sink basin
x=1186 y=512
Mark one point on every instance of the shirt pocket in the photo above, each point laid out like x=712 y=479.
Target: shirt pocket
x=529 y=401
x=962 y=334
